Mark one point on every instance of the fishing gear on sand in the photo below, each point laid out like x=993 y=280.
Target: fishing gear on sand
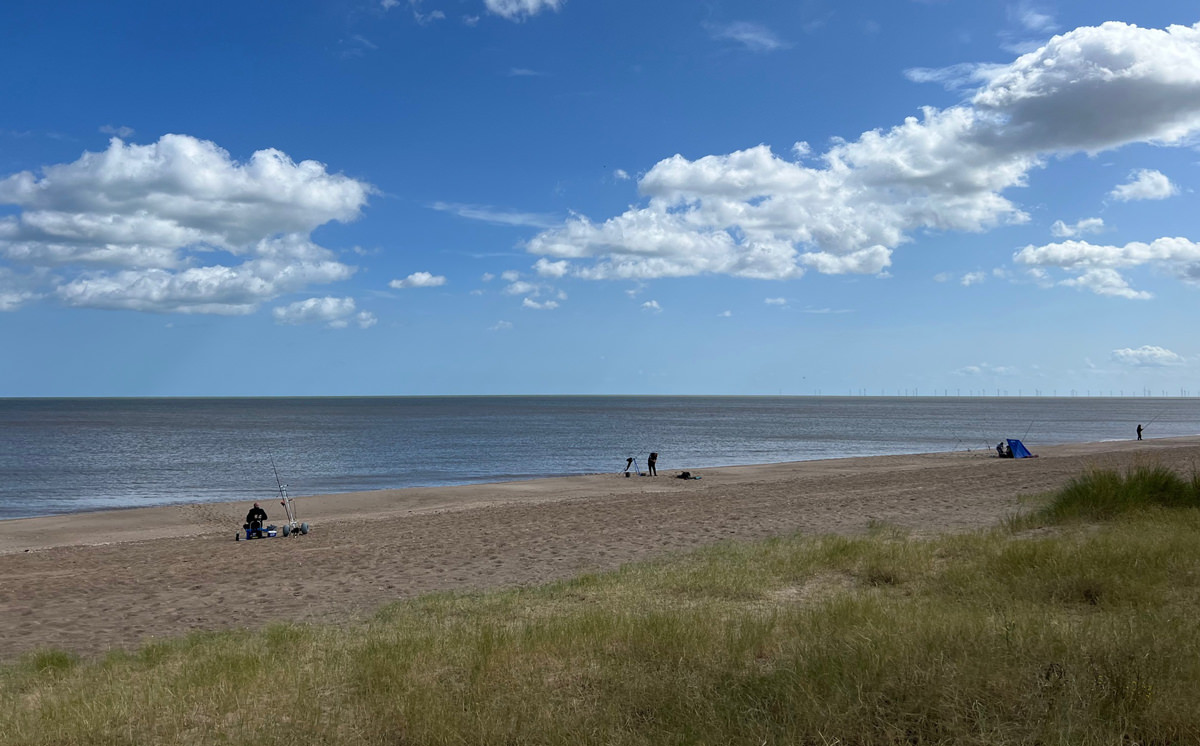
x=294 y=526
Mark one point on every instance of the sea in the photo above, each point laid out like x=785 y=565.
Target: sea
x=71 y=455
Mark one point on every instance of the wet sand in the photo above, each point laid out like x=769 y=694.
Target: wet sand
x=91 y=582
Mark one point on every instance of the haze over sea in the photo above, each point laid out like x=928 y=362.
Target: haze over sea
x=70 y=455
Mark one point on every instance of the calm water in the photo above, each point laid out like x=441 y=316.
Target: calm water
x=68 y=455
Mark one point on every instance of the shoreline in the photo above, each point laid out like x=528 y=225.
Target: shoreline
x=131 y=524
x=90 y=582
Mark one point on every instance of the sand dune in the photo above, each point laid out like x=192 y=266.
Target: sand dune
x=91 y=582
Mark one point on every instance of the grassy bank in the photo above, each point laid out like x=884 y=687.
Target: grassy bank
x=1057 y=629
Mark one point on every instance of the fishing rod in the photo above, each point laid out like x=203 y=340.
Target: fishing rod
x=1160 y=412
x=1027 y=429
x=294 y=524
x=278 y=481
x=966 y=444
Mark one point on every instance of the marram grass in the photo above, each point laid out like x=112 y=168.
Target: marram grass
x=1082 y=634
x=1105 y=494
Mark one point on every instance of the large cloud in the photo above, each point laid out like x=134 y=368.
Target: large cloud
x=1097 y=88
x=753 y=214
x=143 y=226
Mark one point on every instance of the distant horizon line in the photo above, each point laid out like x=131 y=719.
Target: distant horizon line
x=970 y=395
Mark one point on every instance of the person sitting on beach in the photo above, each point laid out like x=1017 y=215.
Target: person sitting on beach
x=1002 y=450
x=255 y=518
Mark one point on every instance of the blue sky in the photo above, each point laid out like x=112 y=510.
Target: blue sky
x=366 y=197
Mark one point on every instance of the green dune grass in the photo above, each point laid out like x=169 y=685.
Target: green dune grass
x=1074 y=624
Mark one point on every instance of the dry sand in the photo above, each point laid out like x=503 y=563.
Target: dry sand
x=91 y=582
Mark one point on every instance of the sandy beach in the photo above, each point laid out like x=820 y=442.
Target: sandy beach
x=91 y=582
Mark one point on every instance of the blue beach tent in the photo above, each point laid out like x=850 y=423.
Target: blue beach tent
x=1018 y=449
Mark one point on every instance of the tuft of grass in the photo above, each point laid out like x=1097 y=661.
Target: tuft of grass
x=1100 y=495
x=51 y=662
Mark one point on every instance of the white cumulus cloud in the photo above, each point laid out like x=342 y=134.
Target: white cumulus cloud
x=1147 y=356
x=418 y=280
x=1144 y=184
x=336 y=313
x=1106 y=282
x=547 y=268
x=522 y=287
x=1098 y=267
x=278 y=266
x=751 y=213
x=177 y=226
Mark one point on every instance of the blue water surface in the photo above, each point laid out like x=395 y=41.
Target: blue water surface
x=69 y=455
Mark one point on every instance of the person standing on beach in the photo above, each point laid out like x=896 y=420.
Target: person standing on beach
x=650 y=462
x=1139 y=432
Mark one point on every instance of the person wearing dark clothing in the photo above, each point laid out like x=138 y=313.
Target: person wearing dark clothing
x=628 y=463
x=255 y=518
x=650 y=462
x=1139 y=432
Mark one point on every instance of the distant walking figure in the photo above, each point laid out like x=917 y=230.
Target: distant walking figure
x=650 y=462
x=1139 y=432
